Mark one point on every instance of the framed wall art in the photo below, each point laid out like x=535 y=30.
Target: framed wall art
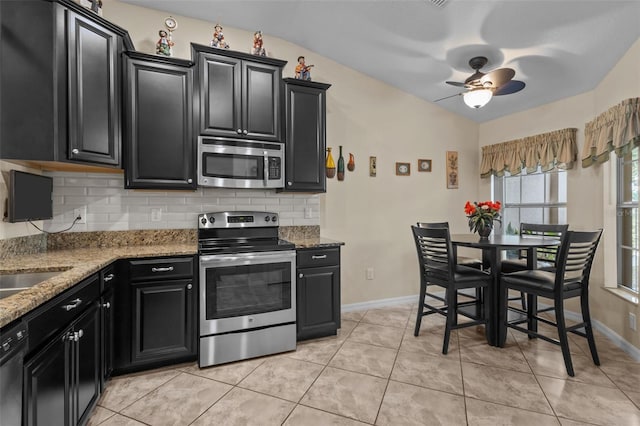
x=424 y=165
x=403 y=169
x=372 y=166
x=452 y=169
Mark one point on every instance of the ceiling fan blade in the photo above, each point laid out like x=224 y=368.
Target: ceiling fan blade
x=447 y=97
x=510 y=87
x=498 y=77
x=456 y=83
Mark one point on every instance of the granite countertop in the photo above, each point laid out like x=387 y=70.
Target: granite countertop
x=75 y=264
x=314 y=242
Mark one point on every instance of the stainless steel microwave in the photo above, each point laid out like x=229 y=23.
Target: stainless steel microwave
x=229 y=163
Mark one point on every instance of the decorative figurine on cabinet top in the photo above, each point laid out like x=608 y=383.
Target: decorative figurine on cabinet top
x=218 y=38
x=258 y=49
x=164 y=44
x=303 y=71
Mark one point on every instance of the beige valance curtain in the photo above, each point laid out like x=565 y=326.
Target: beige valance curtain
x=550 y=150
x=617 y=129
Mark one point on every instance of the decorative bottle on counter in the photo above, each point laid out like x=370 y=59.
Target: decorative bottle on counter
x=330 y=165
x=341 y=165
x=351 y=165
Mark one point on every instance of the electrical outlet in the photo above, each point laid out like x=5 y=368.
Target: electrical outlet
x=80 y=212
x=370 y=274
x=308 y=212
x=156 y=215
x=632 y=321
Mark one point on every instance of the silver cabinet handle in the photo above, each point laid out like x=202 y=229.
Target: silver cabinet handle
x=162 y=269
x=74 y=304
x=245 y=132
x=75 y=151
x=189 y=286
x=300 y=276
x=106 y=305
x=239 y=131
x=80 y=333
x=289 y=183
x=189 y=180
x=108 y=278
x=72 y=337
x=319 y=256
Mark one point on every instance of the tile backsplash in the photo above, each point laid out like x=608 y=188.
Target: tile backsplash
x=110 y=207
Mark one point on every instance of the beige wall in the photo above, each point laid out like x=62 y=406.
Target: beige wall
x=367 y=117
x=591 y=204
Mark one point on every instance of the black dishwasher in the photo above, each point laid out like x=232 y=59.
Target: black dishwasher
x=13 y=341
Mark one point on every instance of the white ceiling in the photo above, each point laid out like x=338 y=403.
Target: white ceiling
x=559 y=48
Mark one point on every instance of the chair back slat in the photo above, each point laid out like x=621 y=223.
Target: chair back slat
x=435 y=252
x=548 y=254
x=575 y=258
x=432 y=225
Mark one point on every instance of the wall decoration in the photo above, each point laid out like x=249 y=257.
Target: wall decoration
x=341 y=165
x=403 y=169
x=218 y=38
x=452 y=169
x=303 y=71
x=94 y=5
x=330 y=165
x=258 y=48
x=372 y=166
x=424 y=165
x=351 y=165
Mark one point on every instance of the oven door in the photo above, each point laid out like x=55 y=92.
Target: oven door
x=246 y=291
x=240 y=164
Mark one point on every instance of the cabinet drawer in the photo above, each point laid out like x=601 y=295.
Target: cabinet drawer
x=318 y=257
x=160 y=269
x=56 y=314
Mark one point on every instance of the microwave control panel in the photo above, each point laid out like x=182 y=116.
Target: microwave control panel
x=275 y=164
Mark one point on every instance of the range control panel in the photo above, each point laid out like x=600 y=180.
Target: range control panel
x=237 y=220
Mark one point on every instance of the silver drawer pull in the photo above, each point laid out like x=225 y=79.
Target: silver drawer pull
x=319 y=256
x=189 y=286
x=106 y=305
x=74 y=304
x=162 y=269
x=80 y=333
x=108 y=278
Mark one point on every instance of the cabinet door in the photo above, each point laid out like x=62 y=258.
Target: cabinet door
x=163 y=321
x=158 y=126
x=86 y=361
x=318 y=296
x=46 y=384
x=107 y=335
x=94 y=92
x=305 y=139
x=220 y=95
x=261 y=101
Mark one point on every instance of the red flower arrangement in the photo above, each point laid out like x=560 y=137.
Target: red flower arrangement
x=481 y=215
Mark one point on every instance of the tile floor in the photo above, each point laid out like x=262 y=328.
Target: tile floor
x=376 y=372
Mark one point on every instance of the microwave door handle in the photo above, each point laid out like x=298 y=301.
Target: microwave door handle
x=266 y=168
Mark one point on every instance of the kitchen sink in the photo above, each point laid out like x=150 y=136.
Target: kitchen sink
x=11 y=284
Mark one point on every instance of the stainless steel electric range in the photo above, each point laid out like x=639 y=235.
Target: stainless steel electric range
x=247 y=287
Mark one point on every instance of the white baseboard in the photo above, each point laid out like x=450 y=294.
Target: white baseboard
x=574 y=316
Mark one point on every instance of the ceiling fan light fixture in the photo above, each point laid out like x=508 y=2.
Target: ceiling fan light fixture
x=477 y=98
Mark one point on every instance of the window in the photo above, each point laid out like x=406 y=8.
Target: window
x=628 y=231
x=532 y=198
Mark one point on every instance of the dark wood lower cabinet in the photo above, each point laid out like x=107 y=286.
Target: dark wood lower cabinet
x=62 y=380
x=318 y=293
x=163 y=320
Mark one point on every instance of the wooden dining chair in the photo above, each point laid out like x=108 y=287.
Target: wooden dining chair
x=438 y=267
x=570 y=279
x=545 y=256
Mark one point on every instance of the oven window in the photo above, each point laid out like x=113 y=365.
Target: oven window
x=247 y=290
x=233 y=166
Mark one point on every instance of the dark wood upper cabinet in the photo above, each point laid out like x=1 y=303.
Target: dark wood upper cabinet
x=94 y=91
x=158 y=141
x=239 y=94
x=305 y=135
x=60 y=81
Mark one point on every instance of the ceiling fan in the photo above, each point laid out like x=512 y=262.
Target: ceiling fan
x=482 y=87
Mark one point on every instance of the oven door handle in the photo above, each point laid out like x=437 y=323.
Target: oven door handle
x=228 y=260
x=266 y=168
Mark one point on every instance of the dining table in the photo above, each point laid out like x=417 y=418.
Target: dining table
x=492 y=248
